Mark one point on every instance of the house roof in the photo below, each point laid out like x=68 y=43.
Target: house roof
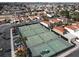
x=46 y=22
x=55 y=20
x=73 y=27
x=61 y=29
x=33 y=17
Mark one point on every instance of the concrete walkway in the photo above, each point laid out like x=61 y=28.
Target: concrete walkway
x=12 y=44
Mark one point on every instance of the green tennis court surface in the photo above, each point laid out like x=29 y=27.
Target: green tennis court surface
x=43 y=42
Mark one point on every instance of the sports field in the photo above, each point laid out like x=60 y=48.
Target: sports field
x=43 y=42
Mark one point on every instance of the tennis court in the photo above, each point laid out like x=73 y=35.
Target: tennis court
x=43 y=42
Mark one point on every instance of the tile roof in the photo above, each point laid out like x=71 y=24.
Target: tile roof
x=61 y=29
x=33 y=17
x=47 y=22
x=54 y=20
x=73 y=27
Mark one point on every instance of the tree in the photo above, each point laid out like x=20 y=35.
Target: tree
x=55 y=16
x=57 y=24
x=21 y=52
x=65 y=13
x=45 y=18
x=23 y=39
x=75 y=16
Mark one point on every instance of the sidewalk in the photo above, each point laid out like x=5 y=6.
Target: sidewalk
x=12 y=44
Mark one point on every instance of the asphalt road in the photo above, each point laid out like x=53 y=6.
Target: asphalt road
x=74 y=54
x=5 y=42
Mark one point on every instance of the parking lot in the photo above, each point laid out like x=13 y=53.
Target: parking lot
x=5 y=40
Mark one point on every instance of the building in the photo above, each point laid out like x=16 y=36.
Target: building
x=63 y=32
x=45 y=23
x=54 y=20
x=70 y=37
x=60 y=30
x=3 y=17
x=73 y=29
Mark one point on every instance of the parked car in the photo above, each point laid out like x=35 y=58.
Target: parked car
x=1 y=49
x=1 y=33
x=4 y=36
x=7 y=50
